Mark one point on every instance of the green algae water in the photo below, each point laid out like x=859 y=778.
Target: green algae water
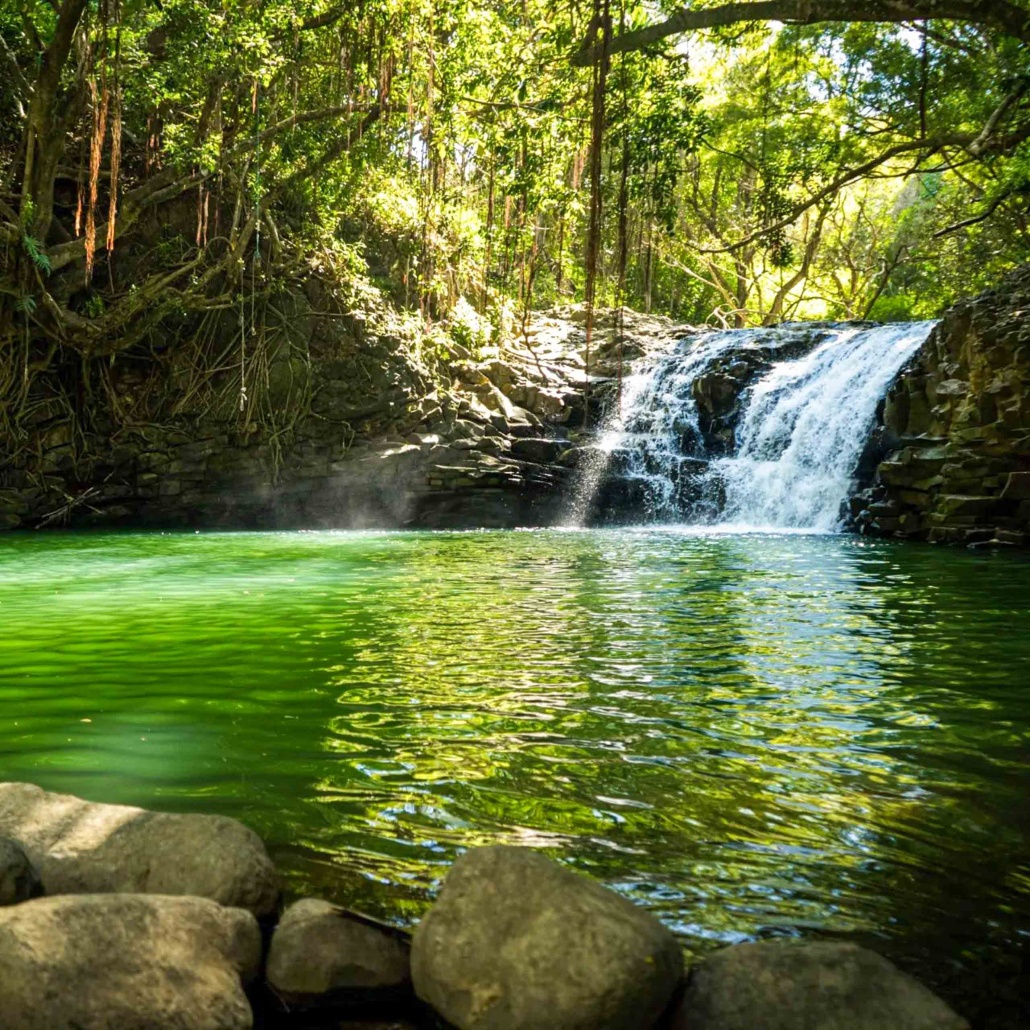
x=750 y=735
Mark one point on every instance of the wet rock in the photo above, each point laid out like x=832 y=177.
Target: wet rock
x=959 y=505
x=516 y=942
x=81 y=847
x=106 y=961
x=1017 y=487
x=964 y=400
x=788 y=985
x=523 y=430
x=321 y=955
x=539 y=450
x=19 y=880
x=715 y=393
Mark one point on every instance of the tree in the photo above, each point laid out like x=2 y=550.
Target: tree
x=814 y=117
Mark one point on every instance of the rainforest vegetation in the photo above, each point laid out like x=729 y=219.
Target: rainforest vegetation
x=170 y=170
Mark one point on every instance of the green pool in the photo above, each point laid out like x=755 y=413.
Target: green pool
x=751 y=735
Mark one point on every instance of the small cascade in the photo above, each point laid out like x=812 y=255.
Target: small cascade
x=748 y=428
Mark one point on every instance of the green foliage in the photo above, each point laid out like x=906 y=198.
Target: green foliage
x=794 y=207
x=468 y=328
x=35 y=251
x=435 y=153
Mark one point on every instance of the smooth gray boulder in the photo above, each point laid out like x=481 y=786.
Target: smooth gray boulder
x=517 y=942
x=126 y=962
x=322 y=955
x=82 y=847
x=19 y=880
x=796 y=985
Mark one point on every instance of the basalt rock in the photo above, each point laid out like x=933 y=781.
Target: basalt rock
x=959 y=471
x=516 y=942
x=788 y=985
x=126 y=962
x=80 y=847
x=323 y=956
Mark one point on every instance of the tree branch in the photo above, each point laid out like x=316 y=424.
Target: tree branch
x=16 y=71
x=317 y=21
x=57 y=53
x=976 y=219
x=968 y=141
x=999 y=15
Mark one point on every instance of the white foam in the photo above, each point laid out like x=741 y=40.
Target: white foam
x=798 y=439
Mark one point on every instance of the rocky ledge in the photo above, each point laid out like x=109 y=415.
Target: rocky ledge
x=494 y=438
x=153 y=920
x=488 y=439
x=956 y=430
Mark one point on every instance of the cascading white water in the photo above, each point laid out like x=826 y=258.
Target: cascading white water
x=655 y=412
x=805 y=425
x=798 y=436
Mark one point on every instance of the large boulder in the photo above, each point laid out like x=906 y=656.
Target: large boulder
x=19 y=880
x=793 y=985
x=323 y=955
x=516 y=942
x=126 y=962
x=80 y=847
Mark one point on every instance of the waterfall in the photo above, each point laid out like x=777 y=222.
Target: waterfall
x=800 y=402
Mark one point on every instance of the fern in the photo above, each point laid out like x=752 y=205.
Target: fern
x=35 y=252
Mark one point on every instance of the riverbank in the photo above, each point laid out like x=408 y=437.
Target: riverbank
x=114 y=916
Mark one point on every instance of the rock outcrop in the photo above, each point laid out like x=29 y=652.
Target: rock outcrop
x=786 y=985
x=323 y=956
x=486 y=439
x=956 y=427
x=493 y=437
x=81 y=847
x=125 y=961
x=516 y=942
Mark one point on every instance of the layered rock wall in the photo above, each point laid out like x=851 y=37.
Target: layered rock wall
x=956 y=425
x=484 y=441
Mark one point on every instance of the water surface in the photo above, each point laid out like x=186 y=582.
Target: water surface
x=750 y=734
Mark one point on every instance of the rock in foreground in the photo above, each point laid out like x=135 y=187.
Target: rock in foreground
x=790 y=985
x=107 y=961
x=516 y=942
x=322 y=955
x=19 y=880
x=80 y=847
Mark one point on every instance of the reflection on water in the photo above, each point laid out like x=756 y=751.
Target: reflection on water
x=748 y=734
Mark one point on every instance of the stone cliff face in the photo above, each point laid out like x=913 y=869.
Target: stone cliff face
x=488 y=442
x=496 y=440
x=956 y=426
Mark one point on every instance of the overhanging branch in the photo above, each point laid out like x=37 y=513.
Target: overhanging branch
x=1000 y=15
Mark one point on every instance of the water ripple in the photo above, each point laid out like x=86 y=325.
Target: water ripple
x=750 y=734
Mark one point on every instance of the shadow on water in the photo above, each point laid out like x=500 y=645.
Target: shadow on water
x=752 y=735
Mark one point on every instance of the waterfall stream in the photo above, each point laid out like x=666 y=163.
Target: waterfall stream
x=750 y=428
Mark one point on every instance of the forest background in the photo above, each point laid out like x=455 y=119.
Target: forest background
x=168 y=169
